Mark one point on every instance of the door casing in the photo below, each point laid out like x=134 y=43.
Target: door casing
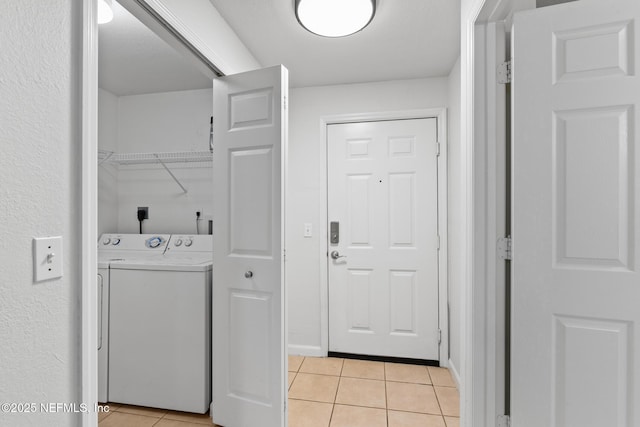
x=482 y=389
x=88 y=393
x=441 y=115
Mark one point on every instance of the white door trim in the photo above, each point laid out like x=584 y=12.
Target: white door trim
x=89 y=200
x=441 y=115
x=89 y=173
x=482 y=386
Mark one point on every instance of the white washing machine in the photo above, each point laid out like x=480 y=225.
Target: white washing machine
x=117 y=248
x=160 y=328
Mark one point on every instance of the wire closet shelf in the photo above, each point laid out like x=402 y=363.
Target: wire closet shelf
x=152 y=158
x=123 y=159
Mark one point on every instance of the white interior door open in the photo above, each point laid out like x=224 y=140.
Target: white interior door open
x=249 y=319
x=576 y=222
x=383 y=238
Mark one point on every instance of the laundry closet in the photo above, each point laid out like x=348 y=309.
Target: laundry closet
x=155 y=221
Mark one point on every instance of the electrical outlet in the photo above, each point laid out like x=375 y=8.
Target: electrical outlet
x=145 y=209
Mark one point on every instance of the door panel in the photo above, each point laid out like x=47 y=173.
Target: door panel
x=383 y=290
x=249 y=328
x=576 y=321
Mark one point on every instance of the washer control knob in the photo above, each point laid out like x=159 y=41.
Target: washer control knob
x=154 y=242
x=115 y=241
x=106 y=241
x=188 y=242
x=178 y=242
x=248 y=274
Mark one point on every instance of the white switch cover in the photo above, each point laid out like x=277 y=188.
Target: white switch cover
x=47 y=258
x=307 y=229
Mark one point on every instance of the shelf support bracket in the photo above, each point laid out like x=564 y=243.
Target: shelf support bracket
x=171 y=173
x=106 y=158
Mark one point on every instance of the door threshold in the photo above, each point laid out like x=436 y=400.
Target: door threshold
x=405 y=360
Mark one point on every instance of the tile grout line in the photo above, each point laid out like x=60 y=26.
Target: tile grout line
x=439 y=405
x=386 y=397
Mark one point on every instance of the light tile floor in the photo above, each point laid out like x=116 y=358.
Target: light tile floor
x=332 y=392
x=137 y=416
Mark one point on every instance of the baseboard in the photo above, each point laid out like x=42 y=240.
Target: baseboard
x=454 y=373
x=305 y=350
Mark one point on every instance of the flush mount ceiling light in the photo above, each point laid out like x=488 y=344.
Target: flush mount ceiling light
x=335 y=18
x=105 y=11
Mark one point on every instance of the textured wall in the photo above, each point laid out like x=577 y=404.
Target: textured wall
x=39 y=196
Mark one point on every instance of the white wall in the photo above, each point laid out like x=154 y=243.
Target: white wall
x=107 y=174
x=156 y=123
x=307 y=106
x=39 y=196
x=456 y=219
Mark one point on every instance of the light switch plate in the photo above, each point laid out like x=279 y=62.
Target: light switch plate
x=47 y=258
x=307 y=229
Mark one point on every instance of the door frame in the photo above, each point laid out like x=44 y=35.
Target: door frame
x=89 y=214
x=441 y=115
x=482 y=389
x=171 y=29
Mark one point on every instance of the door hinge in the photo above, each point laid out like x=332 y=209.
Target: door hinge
x=284 y=101
x=211 y=135
x=503 y=421
x=505 y=248
x=438 y=241
x=504 y=72
x=437 y=149
x=439 y=336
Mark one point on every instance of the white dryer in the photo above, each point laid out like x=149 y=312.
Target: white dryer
x=160 y=330
x=103 y=328
x=114 y=247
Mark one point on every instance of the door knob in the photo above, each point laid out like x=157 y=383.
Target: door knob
x=336 y=255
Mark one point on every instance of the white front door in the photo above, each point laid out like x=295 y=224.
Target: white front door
x=383 y=205
x=249 y=320
x=576 y=216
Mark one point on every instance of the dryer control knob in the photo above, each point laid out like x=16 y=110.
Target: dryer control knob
x=188 y=242
x=178 y=242
x=115 y=241
x=106 y=241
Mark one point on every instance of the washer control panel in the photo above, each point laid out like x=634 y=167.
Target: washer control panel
x=190 y=243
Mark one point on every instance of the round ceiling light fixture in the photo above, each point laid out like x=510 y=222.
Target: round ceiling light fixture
x=335 y=18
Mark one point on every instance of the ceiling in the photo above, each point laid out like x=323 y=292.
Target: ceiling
x=406 y=39
x=133 y=60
